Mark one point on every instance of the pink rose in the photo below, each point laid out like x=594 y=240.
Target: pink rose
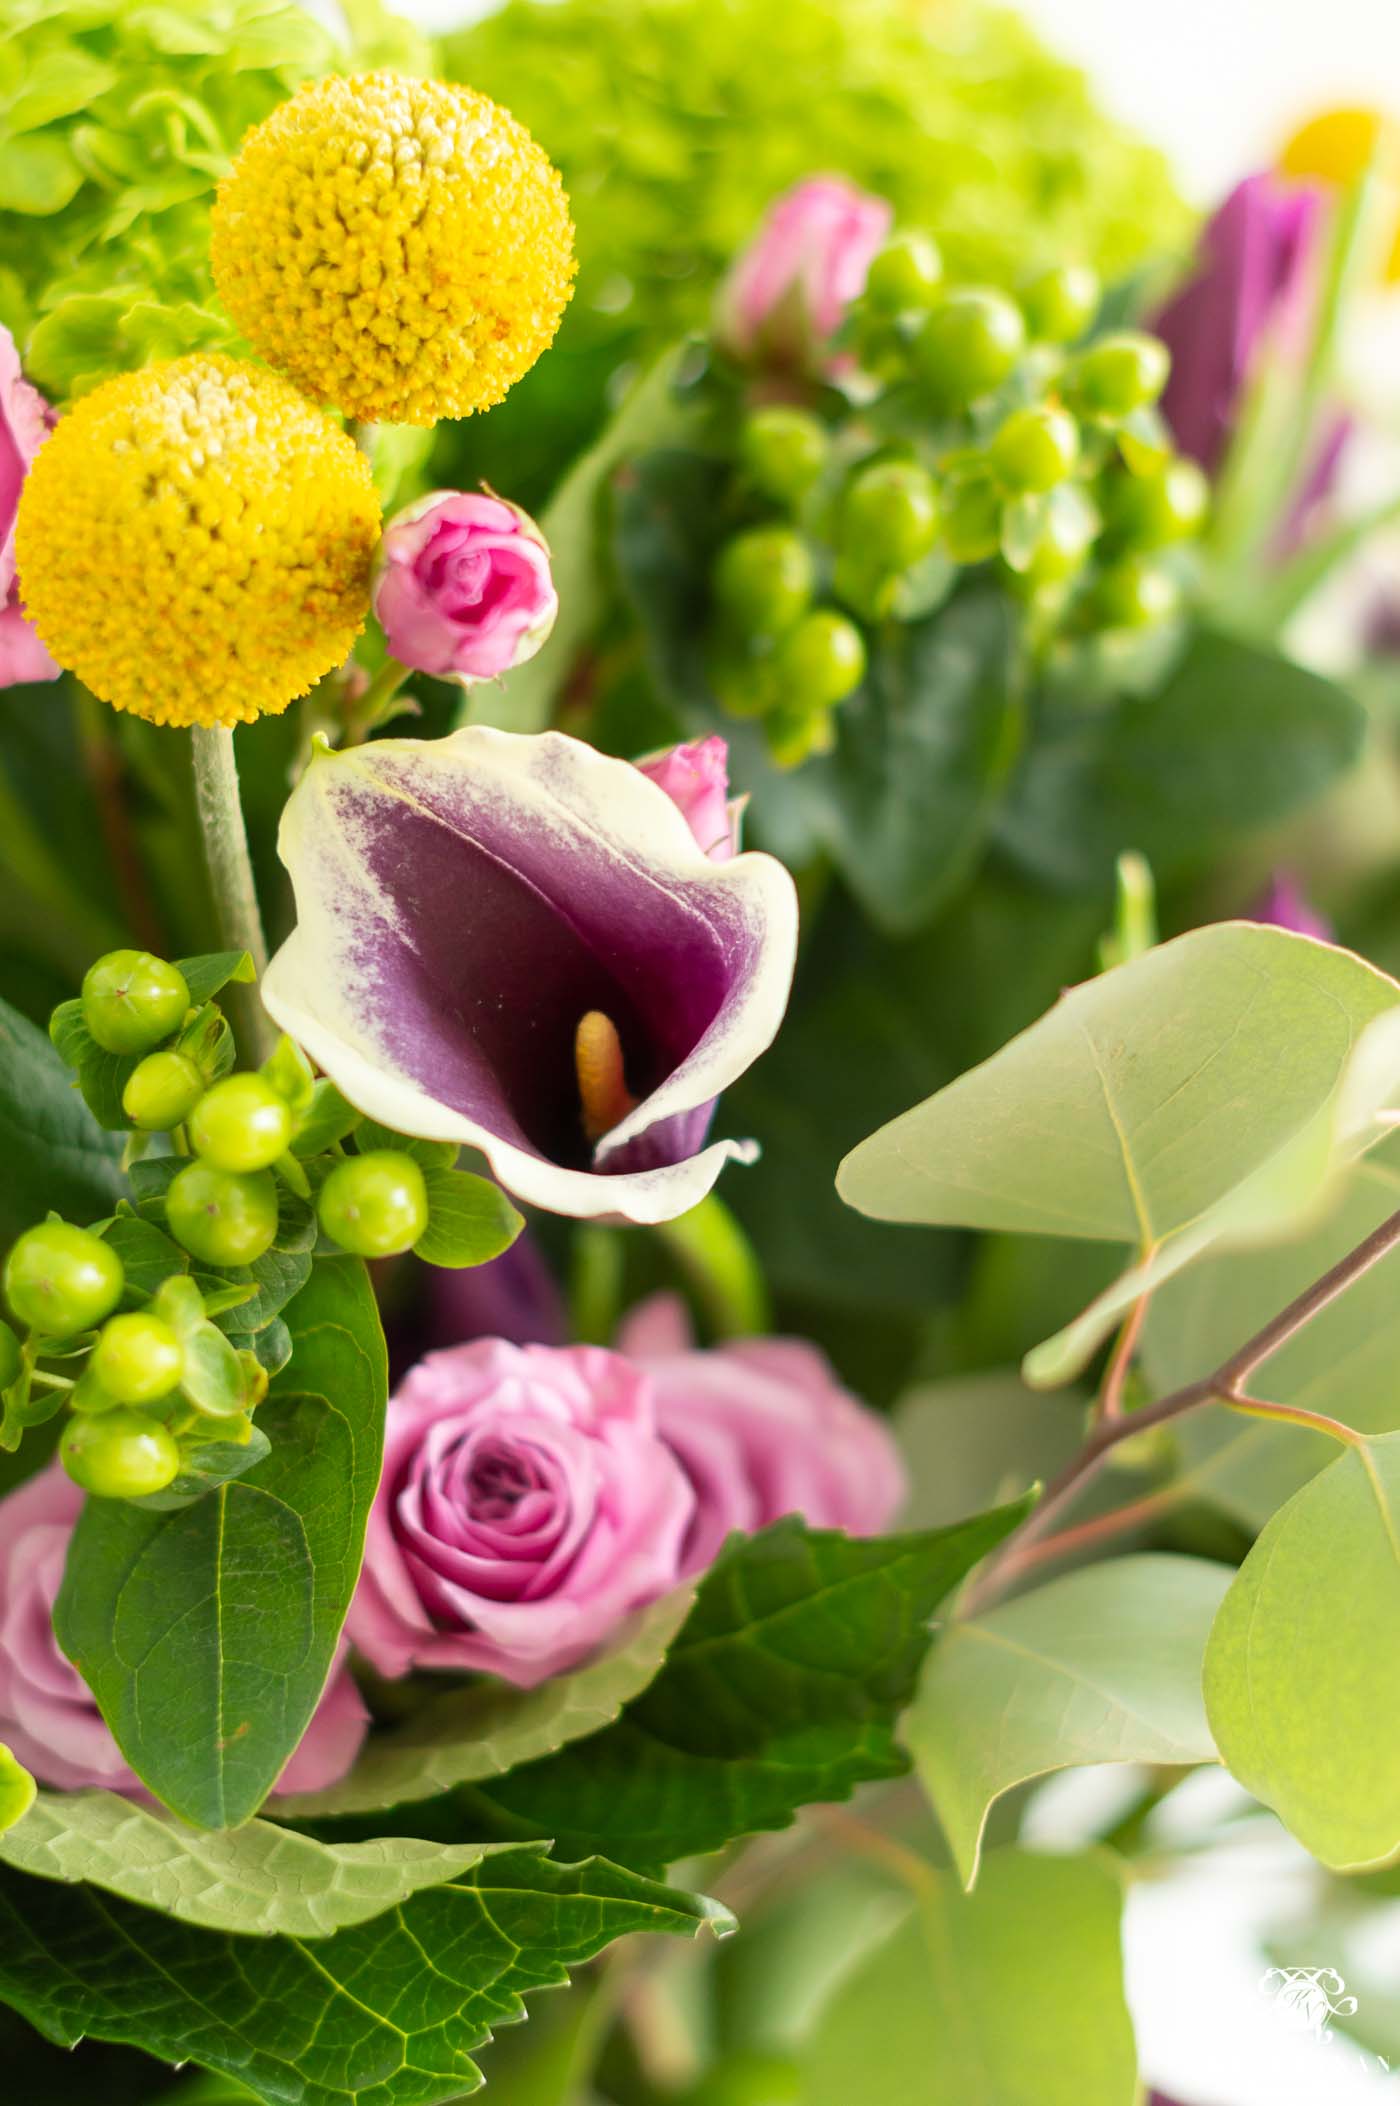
x=696 y=778
x=763 y=1429
x=527 y=1504
x=463 y=587
x=25 y=421
x=47 y=1713
x=789 y=290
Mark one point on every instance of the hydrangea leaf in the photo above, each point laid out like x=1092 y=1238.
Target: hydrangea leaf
x=1008 y=1994
x=384 y=2013
x=1302 y=1673
x=206 y=1634
x=483 y=1730
x=1207 y=1094
x=784 y=1687
x=1102 y=1665
x=259 y=1880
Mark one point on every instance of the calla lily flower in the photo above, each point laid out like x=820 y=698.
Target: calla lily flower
x=517 y=944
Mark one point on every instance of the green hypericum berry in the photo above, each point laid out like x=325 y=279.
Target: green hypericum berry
x=820 y=661
x=889 y=516
x=1120 y=373
x=137 y=1358
x=241 y=1124
x=375 y=1205
x=11 y=1358
x=1065 y=538
x=794 y=734
x=906 y=274
x=784 y=451
x=225 y=1217
x=1135 y=593
x=764 y=579
x=968 y=346
x=121 y=1455
x=972 y=520
x=60 y=1279
x=1167 y=504
x=1060 y=303
x=742 y=681
x=132 y=1000
x=1035 y=448
x=162 y=1091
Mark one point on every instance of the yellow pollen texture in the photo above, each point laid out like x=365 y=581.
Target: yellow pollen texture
x=195 y=542
x=402 y=249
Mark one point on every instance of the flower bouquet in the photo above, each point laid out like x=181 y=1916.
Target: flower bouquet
x=792 y=1234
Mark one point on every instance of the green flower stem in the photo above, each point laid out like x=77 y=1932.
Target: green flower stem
x=720 y=1264
x=230 y=870
x=373 y=705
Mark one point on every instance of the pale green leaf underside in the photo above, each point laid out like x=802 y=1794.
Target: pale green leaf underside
x=1003 y=1997
x=259 y=1880
x=1203 y=1093
x=1102 y=1665
x=1302 y=1673
x=484 y=1731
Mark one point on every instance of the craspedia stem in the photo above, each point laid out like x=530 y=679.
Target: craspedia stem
x=230 y=870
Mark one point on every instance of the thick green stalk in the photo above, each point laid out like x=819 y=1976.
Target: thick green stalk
x=230 y=868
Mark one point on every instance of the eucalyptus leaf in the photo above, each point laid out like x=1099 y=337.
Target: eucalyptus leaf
x=1302 y=1673
x=259 y=1880
x=1005 y=1996
x=206 y=1634
x=384 y=2013
x=1102 y=1665
x=484 y=1730
x=1205 y=1094
x=55 y=1155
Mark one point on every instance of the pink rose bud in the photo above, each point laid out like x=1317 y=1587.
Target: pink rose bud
x=462 y=586
x=25 y=422
x=527 y=1505
x=49 y=1716
x=696 y=779
x=789 y=290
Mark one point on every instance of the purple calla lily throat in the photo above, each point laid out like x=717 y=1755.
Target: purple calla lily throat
x=465 y=903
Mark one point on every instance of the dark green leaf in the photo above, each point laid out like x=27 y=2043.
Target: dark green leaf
x=784 y=1687
x=101 y=1076
x=54 y=1155
x=329 y=1120
x=1236 y=739
x=148 y=1256
x=202 y=1469
x=432 y=1155
x=470 y=1220
x=207 y=974
x=385 y=2013
x=206 y=1635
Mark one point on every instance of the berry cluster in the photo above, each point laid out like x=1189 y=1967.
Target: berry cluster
x=974 y=429
x=229 y=1169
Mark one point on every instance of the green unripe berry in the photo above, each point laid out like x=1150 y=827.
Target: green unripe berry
x=241 y=1124
x=375 y=1205
x=1061 y=546
x=972 y=520
x=784 y=451
x=1167 y=504
x=11 y=1359
x=742 y=681
x=224 y=1217
x=1060 y=303
x=1035 y=448
x=820 y=661
x=132 y=1000
x=137 y=1358
x=60 y=1279
x=121 y=1455
x=794 y=734
x=162 y=1091
x=1135 y=593
x=905 y=275
x=764 y=579
x=1121 y=373
x=889 y=516
x=968 y=346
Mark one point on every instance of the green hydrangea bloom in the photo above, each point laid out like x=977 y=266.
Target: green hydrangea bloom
x=674 y=122
x=117 y=120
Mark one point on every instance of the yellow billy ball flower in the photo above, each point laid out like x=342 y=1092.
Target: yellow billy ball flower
x=401 y=248
x=195 y=541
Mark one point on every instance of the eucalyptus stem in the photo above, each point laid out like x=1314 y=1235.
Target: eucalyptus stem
x=1224 y=1386
x=230 y=868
